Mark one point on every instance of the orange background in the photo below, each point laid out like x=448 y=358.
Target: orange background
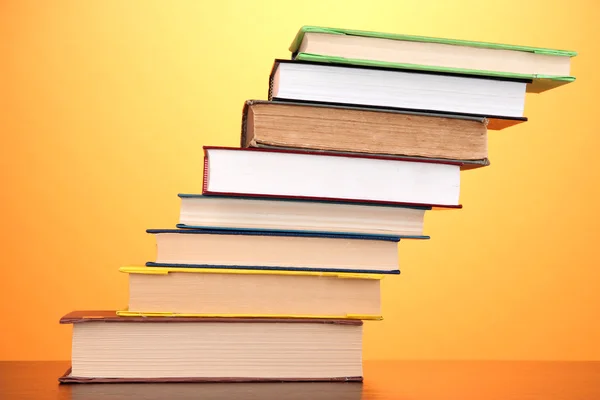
x=105 y=107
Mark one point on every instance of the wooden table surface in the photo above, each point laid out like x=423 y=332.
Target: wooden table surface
x=410 y=380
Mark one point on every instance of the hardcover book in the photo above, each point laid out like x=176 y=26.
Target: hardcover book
x=202 y=292
x=378 y=87
x=545 y=68
x=312 y=126
x=300 y=216
x=274 y=251
x=108 y=348
x=274 y=173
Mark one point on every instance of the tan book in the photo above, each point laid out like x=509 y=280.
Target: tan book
x=375 y=132
x=200 y=292
x=109 y=348
x=277 y=251
x=260 y=214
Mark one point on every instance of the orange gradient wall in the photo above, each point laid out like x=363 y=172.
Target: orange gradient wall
x=105 y=107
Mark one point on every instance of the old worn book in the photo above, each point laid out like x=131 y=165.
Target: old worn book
x=298 y=251
x=110 y=348
x=285 y=215
x=377 y=132
x=232 y=292
x=546 y=68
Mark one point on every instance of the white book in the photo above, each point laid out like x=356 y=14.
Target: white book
x=330 y=176
x=378 y=87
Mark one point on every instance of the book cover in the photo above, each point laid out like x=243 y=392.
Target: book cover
x=274 y=269
x=539 y=83
x=464 y=164
x=206 y=175
x=148 y=270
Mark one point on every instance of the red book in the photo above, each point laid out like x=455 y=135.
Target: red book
x=310 y=175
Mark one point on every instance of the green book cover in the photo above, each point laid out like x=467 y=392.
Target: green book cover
x=539 y=83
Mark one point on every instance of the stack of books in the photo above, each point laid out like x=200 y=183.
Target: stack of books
x=272 y=270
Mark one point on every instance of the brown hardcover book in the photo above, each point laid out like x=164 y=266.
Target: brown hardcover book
x=108 y=348
x=285 y=125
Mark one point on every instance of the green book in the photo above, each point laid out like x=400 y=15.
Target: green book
x=543 y=68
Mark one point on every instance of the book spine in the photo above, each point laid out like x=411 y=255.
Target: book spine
x=205 y=173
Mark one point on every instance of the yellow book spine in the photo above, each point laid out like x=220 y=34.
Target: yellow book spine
x=167 y=270
x=127 y=313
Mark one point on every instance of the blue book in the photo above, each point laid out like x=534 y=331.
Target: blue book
x=292 y=251
x=301 y=216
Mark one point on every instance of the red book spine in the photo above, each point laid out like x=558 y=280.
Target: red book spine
x=205 y=174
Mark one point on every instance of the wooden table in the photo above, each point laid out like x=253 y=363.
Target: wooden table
x=410 y=380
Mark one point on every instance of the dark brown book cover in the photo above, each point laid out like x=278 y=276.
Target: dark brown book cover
x=78 y=317
x=464 y=164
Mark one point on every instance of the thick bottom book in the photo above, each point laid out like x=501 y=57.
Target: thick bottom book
x=108 y=348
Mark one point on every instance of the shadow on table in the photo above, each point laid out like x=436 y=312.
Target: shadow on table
x=219 y=391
